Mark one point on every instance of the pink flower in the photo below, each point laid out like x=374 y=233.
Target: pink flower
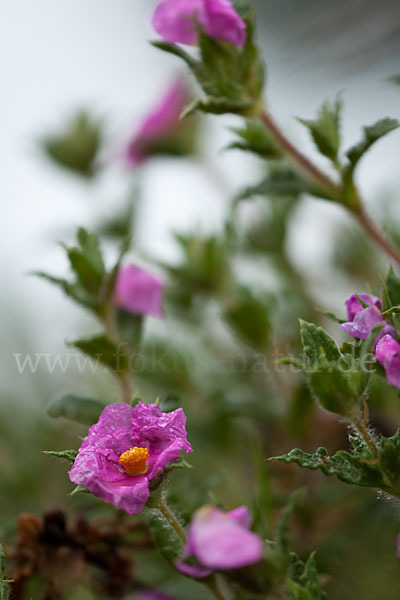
x=126 y=450
x=162 y=122
x=363 y=320
x=149 y=595
x=388 y=354
x=176 y=21
x=354 y=305
x=138 y=291
x=220 y=541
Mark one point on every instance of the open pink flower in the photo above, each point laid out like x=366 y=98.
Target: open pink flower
x=388 y=354
x=162 y=122
x=126 y=449
x=138 y=291
x=220 y=541
x=176 y=21
x=362 y=320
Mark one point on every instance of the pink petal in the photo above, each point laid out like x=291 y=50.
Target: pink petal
x=354 y=306
x=219 y=542
x=222 y=22
x=388 y=354
x=175 y=20
x=138 y=291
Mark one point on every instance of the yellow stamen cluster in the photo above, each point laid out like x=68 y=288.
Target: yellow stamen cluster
x=134 y=461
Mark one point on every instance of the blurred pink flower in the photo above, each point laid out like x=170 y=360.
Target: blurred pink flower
x=362 y=320
x=220 y=541
x=138 y=291
x=162 y=121
x=149 y=595
x=126 y=450
x=176 y=21
x=388 y=354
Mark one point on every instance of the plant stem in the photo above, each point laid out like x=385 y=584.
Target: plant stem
x=376 y=234
x=215 y=587
x=123 y=377
x=314 y=173
x=171 y=518
x=311 y=170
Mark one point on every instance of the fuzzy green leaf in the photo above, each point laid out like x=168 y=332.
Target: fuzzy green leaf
x=317 y=344
x=75 y=408
x=255 y=138
x=347 y=467
x=372 y=134
x=282 y=532
x=334 y=381
x=325 y=129
x=390 y=460
x=69 y=455
x=76 y=147
x=279 y=182
x=304 y=583
x=71 y=289
x=87 y=262
x=101 y=349
x=167 y=542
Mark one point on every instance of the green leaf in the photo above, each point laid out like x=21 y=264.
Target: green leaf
x=390 y=461
x=175 y=50
x=304 y=584
x=167 y=541
x=335 y=382
x=169 y=403
x=69 y=455
x=391 y=295
x=256 y=138
x=283 y=181
x=282 y=533
x=347 y=467
x=290 y=360
x=317 y=344
x=77 y=146
x=79 y=489
x=103 y=350
x=71 y=289
x=87 y=262
x=325 y=130
x=249 y=318
x=336 y=391
x=372 y=133
x=75 y=408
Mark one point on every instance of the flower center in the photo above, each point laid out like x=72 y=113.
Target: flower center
x=134 y=461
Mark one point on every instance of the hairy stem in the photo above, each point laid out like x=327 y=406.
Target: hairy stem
x=304 y=163
x=171 y=518
x=376 y=234
x=314 y=173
